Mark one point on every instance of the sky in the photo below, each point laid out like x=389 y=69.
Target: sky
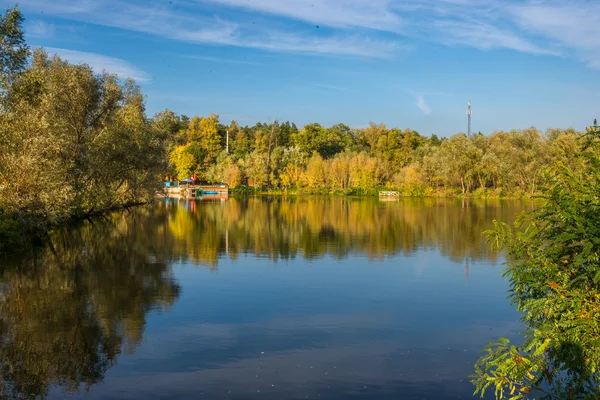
x=406 y=63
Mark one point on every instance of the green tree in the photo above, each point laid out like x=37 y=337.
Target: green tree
x=458 y=157
x=231 y=132
x=13 y=48
x=554 y=275
x=240 y=145
x=256 y=169
x=315 y=138
x=172 y=125
x=307 y=139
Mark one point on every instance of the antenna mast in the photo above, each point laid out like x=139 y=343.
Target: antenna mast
x=469 y=112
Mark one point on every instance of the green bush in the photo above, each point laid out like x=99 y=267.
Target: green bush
x=554 y=273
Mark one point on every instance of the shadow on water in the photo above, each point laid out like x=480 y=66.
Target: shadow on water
x=68 y=311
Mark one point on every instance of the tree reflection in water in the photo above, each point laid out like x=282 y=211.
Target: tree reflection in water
x=69 y=310
x=312 y=226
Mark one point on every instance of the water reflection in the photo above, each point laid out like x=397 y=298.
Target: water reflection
x=282 y=228
x=69 y=311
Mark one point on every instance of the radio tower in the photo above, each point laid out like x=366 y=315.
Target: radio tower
x=469 y=112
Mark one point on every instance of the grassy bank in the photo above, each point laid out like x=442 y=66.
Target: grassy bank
x=403 y=192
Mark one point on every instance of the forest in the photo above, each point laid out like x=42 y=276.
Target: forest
x=342 y=160
x=77 y=143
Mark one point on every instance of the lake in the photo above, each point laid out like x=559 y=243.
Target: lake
x=259 y=298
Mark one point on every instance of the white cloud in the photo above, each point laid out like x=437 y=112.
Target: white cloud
x=421 y=105
x=480 y=24
x=373 y=14
x=101 y=63
x=334 y=45
x=485 y=37
x=39 y=29
x=364 y=28
x=186 y=24
x=575 y=26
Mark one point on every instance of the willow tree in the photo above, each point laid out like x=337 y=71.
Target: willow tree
x=554 y=274
x=74 y=143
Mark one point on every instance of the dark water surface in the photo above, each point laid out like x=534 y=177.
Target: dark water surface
x=316 y=297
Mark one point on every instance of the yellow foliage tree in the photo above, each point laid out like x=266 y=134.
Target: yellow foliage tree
x=232 y=175
x=315 y=176
x=183 y=161
x=205 y=131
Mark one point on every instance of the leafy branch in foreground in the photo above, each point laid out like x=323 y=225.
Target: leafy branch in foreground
x=554 y=275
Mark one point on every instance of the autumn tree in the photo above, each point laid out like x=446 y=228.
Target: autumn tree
x=75 y=143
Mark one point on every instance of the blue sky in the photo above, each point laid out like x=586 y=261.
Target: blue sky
x=407 y=63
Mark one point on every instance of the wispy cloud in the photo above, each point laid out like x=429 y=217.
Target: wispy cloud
x=421 y=105
x=185 y=23
x=333 y=45
x=100 y=63
x=574 y=26
x=360 y=28
x=373 y=14
x=484 y=36
x=420 y=101
x=39 y=29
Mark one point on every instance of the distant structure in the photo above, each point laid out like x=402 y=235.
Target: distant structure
x=469 y=112
x=227 y=145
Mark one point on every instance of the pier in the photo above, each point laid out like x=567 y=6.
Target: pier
x=197 y=191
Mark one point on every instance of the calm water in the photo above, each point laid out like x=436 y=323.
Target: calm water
x=319 y=298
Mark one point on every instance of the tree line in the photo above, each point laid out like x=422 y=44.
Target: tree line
x=342 y=160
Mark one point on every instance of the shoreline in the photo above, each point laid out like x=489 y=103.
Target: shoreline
x=374 y=193
x=14 y=239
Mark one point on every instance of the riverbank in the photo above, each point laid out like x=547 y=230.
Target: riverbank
x=405 y=193
x=19 y=234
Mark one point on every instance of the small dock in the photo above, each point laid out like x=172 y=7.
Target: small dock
x=200 y=192
x=389 y=196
